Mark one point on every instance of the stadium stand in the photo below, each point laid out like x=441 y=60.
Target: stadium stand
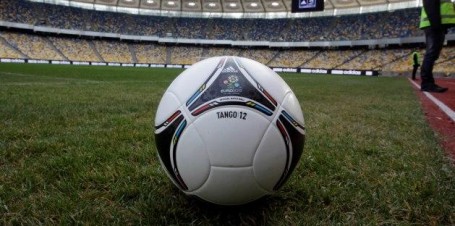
x=220 y=51
x=75 y=49
x=150 y=53
x=113 y=51
x=8 y=51
x=185 y=54
x=19 y=44
x=396 y=24
x=228 y=29
x=331 y=58
x=262 y=31
x=261 y=55
x=34 y=46
x=369 y=60
x=446 y=63
x=22 y=45
x=191 y=28
x=293 y=58
x=398 y=60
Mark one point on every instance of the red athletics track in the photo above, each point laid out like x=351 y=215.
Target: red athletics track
x=441 y=118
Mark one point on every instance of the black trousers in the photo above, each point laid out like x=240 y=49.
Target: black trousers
x=434 y=42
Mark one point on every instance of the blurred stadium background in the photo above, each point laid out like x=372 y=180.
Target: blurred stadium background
x=376 y=35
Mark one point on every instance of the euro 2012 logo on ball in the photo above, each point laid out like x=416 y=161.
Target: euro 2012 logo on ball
x=229 y=130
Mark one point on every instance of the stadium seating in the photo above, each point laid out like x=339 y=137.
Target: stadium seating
x=261 y=55
x=293 y=58
x=75 y=49
x=446 y=62
x=220 y=51
x=185 y=54
x=331 y=58
x=150 y=53
x=20 y=45
x=33 y=46
x=396 y=24
x=6 y=51
x=398 y=60
x=113 y=51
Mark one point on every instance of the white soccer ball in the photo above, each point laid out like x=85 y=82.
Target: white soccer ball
x=229 y=130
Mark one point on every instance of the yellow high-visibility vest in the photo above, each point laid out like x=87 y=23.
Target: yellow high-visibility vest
x=447 y=14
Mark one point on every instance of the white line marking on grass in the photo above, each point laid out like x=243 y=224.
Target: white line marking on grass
x=449 y=112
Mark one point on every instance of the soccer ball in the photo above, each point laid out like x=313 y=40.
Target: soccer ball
x=229 y=130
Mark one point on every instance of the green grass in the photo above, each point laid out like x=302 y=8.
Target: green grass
x=77 y=147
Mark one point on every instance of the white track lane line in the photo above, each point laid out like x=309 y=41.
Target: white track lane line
x=449 y=112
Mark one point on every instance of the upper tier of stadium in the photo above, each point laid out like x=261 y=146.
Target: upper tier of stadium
x=234 y=8
x=369 y=26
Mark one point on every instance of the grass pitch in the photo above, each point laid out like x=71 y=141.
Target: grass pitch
x=77 y=147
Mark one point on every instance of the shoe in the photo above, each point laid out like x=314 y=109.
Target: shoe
x=433 y=88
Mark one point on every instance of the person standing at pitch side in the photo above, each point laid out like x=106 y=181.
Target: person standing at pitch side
x=436 y=17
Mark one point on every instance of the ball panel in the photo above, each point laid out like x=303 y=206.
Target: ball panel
x=294 y=137
x=166 y=135
x=231 y=134
x=268 y=79
x=230 y=86
x=168 y=105
x=190 y=80
x=270 y=159
x=193 y=161
x=230 y=186
x=292 y=106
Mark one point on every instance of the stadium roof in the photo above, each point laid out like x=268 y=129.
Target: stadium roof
x=234 y=8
